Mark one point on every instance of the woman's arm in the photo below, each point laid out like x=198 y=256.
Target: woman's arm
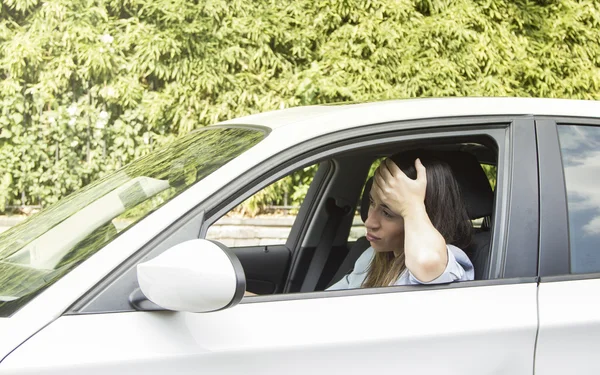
x=424 y=247
x=425 y=250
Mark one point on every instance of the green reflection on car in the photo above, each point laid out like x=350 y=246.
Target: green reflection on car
x=39 y=251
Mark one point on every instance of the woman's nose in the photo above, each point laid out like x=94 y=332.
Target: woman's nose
x=372 y=221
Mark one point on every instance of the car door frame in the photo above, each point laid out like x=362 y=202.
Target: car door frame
x=554 y=218
x=516 y=184
x=567 y=311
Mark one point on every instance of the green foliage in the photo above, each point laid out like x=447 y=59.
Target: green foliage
x=286 y=192
x=90 y=85
x=491 y=171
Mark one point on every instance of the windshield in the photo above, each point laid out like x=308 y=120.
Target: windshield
x=39 y=251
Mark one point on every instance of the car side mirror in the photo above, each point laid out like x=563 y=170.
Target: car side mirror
x=194 y=276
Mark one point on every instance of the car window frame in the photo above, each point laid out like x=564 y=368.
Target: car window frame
x=555 y=252
x=504 y=130
x=517 y=139
x=414 y=135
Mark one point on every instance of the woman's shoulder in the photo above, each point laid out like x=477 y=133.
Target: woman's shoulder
x=460 y=256
x=363 y=262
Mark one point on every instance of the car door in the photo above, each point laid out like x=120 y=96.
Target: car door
x=476 y=327
x=569 y=152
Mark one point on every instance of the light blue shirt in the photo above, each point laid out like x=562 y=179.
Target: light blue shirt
x=459 y=268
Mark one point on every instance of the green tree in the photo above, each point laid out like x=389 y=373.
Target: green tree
x=89 y=85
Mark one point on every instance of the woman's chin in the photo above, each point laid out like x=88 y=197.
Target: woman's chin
x=378 y=248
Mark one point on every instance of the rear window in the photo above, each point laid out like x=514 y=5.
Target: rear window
x=580 y=147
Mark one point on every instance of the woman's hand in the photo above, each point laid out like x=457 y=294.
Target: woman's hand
x=401 y=194
x=424 y=247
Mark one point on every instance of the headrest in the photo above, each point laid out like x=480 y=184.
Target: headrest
x=474 y=185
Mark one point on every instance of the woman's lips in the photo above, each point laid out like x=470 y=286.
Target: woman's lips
x=372 y=238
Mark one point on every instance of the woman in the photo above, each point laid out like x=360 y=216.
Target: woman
x=416 y=225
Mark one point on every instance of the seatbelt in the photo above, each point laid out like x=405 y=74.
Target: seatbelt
x=334 y=219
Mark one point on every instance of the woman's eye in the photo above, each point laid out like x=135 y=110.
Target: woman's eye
x=386 y=213
x=371 y=203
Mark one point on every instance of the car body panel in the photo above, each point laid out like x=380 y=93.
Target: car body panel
x=315 y=120
x=569 y=328
x=489 y=330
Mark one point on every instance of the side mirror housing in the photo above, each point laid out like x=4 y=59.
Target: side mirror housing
x=194 y=276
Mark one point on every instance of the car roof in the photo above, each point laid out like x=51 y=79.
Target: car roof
x=320 y=119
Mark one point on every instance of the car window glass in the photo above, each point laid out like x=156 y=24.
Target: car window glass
x=39 y=251
x=266 y=217
x=580 y=147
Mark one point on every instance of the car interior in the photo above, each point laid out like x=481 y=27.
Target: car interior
x=318 y=251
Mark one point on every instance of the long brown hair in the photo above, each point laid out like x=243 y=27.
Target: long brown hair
x=445 y=208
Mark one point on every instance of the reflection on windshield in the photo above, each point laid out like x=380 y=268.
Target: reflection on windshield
x=580 y=146
x=39 y=251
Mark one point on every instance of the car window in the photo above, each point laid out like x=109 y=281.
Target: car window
x=37 y=252
x=266 y=217
x=580 y=147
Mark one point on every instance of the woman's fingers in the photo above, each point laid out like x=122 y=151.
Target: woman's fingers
x=396 y=171
x=389 y=170
x=389 y=167
x=421 y=171
x=379 y=181
x=398 y=191
x=384 y=171
x=389 y=174
x=375 y=189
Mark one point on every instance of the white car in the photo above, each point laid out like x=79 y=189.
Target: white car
x=125 y=277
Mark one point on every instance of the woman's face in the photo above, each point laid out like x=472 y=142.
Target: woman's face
x=385 y=229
